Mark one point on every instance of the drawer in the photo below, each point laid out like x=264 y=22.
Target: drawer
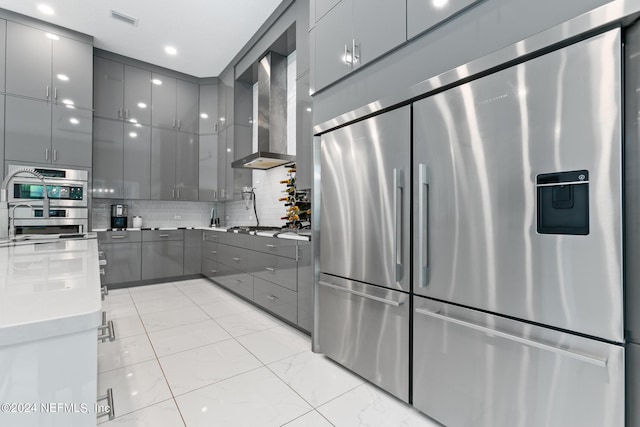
x=124 y=263
x=210 y=250
x=276 y=269
x=161 y=235
x=106 y=237
x=211 y=268
x=273 y=245
x=213 y=236
x=240 y=240
x=238 y=282
x=231 y=256
x=278 y=300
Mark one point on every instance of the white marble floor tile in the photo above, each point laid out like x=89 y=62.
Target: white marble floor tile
x=124 y=352
x=135 y=387
x=121 y=291
x=118 y=311
x=275 y=344
x=256 y=398
x=191 y=282
x=226 y=308
x=316 y=378
x=163 y=414
x=192 y=369
x=163 y=304
x=369 y=406
x=206 y=296
x=246 y=323
x=311 y=419
x=135 y=290
x=173 y=318
x=187 y=337
x=128 y=326
x=146 y=296
x=112 y=300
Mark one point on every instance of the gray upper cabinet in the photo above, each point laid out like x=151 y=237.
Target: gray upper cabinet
x=187 y=103
x=72 y=72
x=208 y=109
x=28 y=130
x=354 y=33
x=108 y=88
x=28 y=65
x=322 y=7
x=221 y=167
x=137 y=95
x=137 y=161
x=3 y=44
x=108 y=146
x=71 y=136
x=163 y=164
x=208 y=168
x=46 y=66
x=2 y=135
x=304 y=137
x=163 y=95
x=423 y=15
x=222 y=106
x=242 y=147
x=187 y=167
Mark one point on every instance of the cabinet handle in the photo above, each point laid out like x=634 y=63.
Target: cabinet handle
x=55 y=155
x=214 y=271
x=237 y=259
x=272 y=297
x=164 y=235
x=55 y=93
x=174 y=122
x=214 y=252
x=271 y=269
x=102 y=262
x=179 y=124
x=100 y=254
x=110 y=334
x=271 y=246
x=178 y=191
x=355 y=55
x=126 y=114
x=173 y=193
x=119 y=113
x=102 y=272
x=47 y=92
x=111 y=413
x=348 y=59
x=46 y=154
x=118 y=237
x=215 y=195
x=104 y=292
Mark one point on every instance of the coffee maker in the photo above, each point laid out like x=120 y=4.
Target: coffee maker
x=119 y=216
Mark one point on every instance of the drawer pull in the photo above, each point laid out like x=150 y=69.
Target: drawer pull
x=164 y=235
x=118 y=237
x=100 y=254
x=102 y=262
x=104 y=291
x=214 y=252
x=272 y=297
x=271 y=269
x=362 y=294
x=237 y=259
x=102 y=272
x=110 y=334
x=111 y=413
x=214 y=271
x=271 y=246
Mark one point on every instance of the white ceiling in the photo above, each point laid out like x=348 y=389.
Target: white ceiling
x=206 y=33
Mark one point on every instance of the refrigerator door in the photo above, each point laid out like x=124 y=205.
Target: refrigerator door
x=366 y=329
x=474 y=369
x=365 y=200
x=517 y=182
x=633 y=384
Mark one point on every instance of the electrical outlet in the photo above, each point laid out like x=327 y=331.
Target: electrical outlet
x=177 y=217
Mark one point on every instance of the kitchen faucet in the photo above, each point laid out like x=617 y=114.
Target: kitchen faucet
x=12 y=219
x=4 y=204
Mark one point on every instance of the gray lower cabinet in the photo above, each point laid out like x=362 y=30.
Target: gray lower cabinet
x=305 y=286
x=192 y=252
x=124 y=262
x=279 y=300
x=275 y=269
x=162 y=259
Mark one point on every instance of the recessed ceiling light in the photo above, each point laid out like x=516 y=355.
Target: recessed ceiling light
x=46 y=9
x=63 y=77
x=142 y=105
x=52 y=36
x=439 y=4
x=170 y=50
x=204 y=115
x=156 y=81
x=74 y=121
x=67 y=102
x=133 y=134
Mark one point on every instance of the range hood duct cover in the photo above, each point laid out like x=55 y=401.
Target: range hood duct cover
x=272 y=116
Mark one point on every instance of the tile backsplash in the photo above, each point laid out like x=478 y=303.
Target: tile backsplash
x=156 y=213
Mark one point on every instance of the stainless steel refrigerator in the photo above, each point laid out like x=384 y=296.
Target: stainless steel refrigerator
x=518 y=306
x=363 y=295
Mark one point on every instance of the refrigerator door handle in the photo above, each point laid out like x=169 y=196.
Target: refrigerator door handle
x=423 y=225
x=362 y=294
x=397 y=222
x=588 y=359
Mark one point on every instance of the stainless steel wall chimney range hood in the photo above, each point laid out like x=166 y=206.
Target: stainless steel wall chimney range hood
x=272 y=116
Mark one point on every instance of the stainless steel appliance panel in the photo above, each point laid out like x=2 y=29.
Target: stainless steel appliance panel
x=478 y=149
x=474 y=369
x=366 y=190
x=366 y=329
x=633 y=384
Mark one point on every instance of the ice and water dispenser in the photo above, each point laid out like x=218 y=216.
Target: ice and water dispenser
x=563 y=203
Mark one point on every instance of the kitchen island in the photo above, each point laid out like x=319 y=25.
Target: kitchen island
x=50 y=309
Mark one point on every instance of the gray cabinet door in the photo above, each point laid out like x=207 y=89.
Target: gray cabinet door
x=137 y=161
x=187 y=101
x=222 y=105
x=187 y=167
x=208 y=168
x=28 y=62
x=222 y=164
x=208 y=122
x=137 y=95
x=107 y=159
x=192 y=252
x=229 y=171
x=163 y=164
x=324 y=6
x=333 y=37
x=423 y=15
x=305 y=287
x=163 y=95
x=162 y=259
x=108 y=87
x=71 y=136
x=3 y=49
x=304 y=133
x=72 y=72
x=2 y=135
x=378 y=27
x=124 y=263
x=242 y=147
x=28 y=130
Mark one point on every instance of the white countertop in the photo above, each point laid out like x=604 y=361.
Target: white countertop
x=304 y=236
x=48 y=289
